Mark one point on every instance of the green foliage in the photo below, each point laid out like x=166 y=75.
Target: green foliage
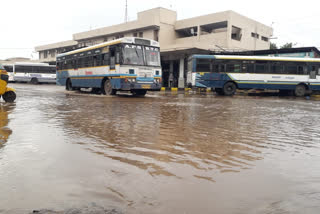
x=287 y=45
x=273 y=46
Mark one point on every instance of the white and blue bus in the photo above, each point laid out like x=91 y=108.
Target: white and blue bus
x=226 y=74
x=31 y=72
x=126 y=64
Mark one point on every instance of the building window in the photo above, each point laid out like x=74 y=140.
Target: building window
x=265 y=39
x=156 y=35
x=187 y=32
x=255 y=35
x=105 y=39
x=211 y=28
x=45 y=54
x=236 y=33
x=52 y=53
x=135 y=34
x=141 y=34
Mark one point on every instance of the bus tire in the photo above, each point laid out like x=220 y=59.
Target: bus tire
x=69 y=85
x=219 y=91
x=229 y=89
x=107 y=88
x=139 y=93
x=300 y=91
x=34 y=81
x=9 y=96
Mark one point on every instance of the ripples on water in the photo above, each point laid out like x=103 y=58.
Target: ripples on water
x=189 y=138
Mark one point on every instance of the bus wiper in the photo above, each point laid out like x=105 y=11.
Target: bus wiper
x=137 y=52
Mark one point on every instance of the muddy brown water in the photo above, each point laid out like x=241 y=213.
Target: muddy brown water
x=165 y=153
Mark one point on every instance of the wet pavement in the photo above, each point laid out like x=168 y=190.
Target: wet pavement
x=165 y=153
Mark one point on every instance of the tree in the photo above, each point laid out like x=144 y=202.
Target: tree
x=273 y=46
x=287 y=45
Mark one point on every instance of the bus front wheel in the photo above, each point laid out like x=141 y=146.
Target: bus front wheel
x=229 y=89
x=34 y=81
x=107 y=88
x=69 y=85
x=300 y=91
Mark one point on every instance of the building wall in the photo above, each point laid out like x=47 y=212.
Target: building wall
x=248 y=27
x=211 y=31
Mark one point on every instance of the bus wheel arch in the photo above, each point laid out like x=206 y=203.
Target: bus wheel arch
x=34 y=81
x=301 y=90
x=106 y=87
x=229 y=88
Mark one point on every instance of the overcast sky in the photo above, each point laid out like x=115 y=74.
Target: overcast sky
x=26 y=24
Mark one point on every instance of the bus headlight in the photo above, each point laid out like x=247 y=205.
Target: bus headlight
x=131 y=80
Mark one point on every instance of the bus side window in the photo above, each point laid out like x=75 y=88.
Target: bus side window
x=95 y=61
x=313 y=72
x=74 y=64
x=290 y=68
x=203 y=65
x=276 y=68
x=261 y=67
x=99 y=60
x=105 y=58
x=112 y=58
x=319 y=71
x=222 y=68
x=117 y=57
x=300 y=69
x=215 y=68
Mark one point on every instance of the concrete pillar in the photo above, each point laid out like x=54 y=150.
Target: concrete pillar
x=171 y=74
x=181 y=74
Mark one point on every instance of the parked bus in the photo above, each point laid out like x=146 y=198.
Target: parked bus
x=33 y=72
x=126 y=64
x=9 y=69
x=225 y=74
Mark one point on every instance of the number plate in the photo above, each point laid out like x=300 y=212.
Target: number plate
x=146 y=86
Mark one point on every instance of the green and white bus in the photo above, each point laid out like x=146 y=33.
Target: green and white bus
x=126 y=64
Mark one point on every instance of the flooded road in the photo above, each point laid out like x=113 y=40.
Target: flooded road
x=165 y=153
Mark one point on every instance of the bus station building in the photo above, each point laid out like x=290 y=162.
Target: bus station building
x=217 y=32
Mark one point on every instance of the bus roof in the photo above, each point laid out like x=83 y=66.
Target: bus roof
x=113 y=42
x=31 y=64
x=257 y=58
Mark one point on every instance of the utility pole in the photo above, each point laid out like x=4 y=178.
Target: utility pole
x=126 y=13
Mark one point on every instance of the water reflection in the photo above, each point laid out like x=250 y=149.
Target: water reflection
x=160 y=154
x=5 y=131
x=155 y=133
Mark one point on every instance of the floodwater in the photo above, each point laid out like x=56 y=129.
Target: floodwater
x=165 y=153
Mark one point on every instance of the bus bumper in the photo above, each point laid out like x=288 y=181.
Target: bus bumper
x=141 y=86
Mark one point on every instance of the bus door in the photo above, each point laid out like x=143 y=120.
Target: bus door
x=313 y=72
x=114 y=59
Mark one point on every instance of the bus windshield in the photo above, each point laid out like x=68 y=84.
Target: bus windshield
x=8 y=68
x=152 y=56
x=133 y=55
